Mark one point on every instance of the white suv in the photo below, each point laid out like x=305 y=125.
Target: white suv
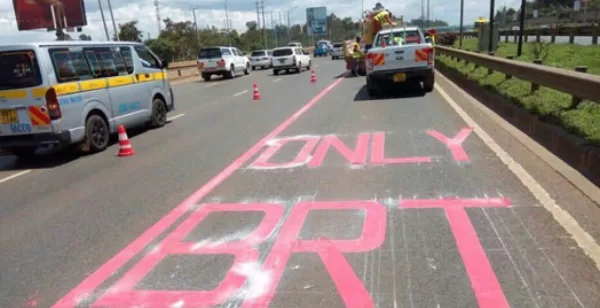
x=289 y=59
x=337 y=51
x=222 y=61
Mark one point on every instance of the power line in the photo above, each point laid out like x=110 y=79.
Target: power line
x=157 y=15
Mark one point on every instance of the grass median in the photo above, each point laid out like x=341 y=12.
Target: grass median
x=551 y=105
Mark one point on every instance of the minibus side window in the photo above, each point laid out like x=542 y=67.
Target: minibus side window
x=148 y=60
x=127 y=57
x=69 y=65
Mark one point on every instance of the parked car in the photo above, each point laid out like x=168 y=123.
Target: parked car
x=222 y=61
x=290 y=59
x=337 y=51
x=260 y=58
x=294 y=44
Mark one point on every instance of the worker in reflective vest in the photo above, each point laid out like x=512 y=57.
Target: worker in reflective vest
x=431 y=36
x=384 y=17
x=356 y=55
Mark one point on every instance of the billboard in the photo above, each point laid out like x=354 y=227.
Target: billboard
x=316 y=20
x=41 y=14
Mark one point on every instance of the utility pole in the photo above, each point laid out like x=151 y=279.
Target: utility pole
x=264 y=21
x=258 y=22
x=112 y=17
x=157 y=15
x=196 y=27
x=521 y=28
x=274 y=26
x=103 y=20
x=428 y=14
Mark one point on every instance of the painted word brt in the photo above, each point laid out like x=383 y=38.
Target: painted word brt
x=352 y=291
x=319 y=146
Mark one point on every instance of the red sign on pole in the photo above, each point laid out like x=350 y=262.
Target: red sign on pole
x=49 y=14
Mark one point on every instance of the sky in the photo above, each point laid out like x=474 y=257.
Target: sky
x=212 y=13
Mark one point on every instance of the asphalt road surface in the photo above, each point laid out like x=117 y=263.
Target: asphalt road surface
x=313 y=196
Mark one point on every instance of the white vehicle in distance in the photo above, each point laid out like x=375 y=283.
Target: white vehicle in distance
x=222 y=61
x=261 y=58
x=294 y=44
x=337 y=51
x=290 y=59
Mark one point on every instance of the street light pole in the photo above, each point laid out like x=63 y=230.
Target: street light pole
x=521 y=29
x=491 y=34
x=103 y=20
x=290 y=23
x=112 y=17
x=460 y=30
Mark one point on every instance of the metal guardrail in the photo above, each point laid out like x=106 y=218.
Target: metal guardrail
x=580 y=85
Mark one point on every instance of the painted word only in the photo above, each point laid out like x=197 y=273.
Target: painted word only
x=352 y=291
x=315 y=149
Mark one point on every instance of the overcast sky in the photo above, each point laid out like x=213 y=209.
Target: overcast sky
x=212 y=13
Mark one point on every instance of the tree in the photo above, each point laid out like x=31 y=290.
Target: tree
x=129 y=32
x=251 y=25
x=84 y=37
x=162 y=48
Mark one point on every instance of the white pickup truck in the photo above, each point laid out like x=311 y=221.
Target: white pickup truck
x=390 y=62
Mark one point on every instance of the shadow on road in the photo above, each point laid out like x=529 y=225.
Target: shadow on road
x=398 y=92
x=46 y=158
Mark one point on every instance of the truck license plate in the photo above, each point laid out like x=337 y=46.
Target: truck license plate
x=399 y=77
x=8 y=116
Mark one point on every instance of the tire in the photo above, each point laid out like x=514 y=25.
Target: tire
x=96 y=136
x=299 y=69
x=254 y=68
x=429 y=83
x=206 y=77
x=23 y=152
x=159 y=113
x=362 y=72
x=308 y=67
x=275 y=72
x=231 y=73
x=247 y=70
x=372 y=89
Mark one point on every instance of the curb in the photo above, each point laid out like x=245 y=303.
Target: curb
x=573 y=150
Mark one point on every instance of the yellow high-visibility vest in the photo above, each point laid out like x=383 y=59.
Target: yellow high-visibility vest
x=381 y=17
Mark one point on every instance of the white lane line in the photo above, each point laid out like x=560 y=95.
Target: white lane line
x=276 y=80
x=175 y=117
x=240 y=93
x=211 y=84
x=10 y=177
x=583 y=239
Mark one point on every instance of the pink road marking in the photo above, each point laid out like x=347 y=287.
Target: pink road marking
x=331 y=252
x=357 y=156
x=244 y=250
x=454 y=144
x=378 y=153
x=262 y=162
x=89 y=284
x=484 y=283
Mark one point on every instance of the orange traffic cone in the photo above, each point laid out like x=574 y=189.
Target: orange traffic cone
x=256 y=93
x=125 y=148
x=313 y=77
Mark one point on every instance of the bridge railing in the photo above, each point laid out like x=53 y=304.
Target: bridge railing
x=577 y=83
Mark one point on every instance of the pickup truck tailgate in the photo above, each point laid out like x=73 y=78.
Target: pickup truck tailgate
x=404 y=57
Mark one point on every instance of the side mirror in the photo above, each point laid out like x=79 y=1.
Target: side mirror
x=165 y=64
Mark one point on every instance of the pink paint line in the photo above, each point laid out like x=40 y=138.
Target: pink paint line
x=301 y=158
x=483 y=279
x=378 y=153
x=454 y=144
x=358 y=156
x=87 y=287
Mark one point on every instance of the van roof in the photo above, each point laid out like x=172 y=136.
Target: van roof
x=67 y=43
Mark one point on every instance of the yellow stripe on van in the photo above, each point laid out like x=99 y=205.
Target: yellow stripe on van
x=39 y=92
x=14 y=94
x=95 y=84
x=67 y=88
x=119 y=81
x=160 y=76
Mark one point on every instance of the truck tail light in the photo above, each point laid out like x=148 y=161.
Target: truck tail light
x=429 y=51
x=52 y=104
x=221 y=63
x=200 y=65
x=294 y=60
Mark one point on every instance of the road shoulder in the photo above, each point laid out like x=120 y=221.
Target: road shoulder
x=569 y=190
